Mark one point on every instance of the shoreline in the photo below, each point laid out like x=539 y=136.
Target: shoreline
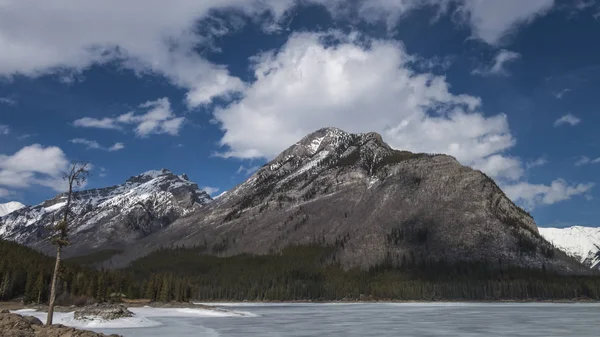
x=213 y=305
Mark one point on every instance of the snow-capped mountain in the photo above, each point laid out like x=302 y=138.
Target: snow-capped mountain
x=580 y=242
x=10 y=207
x=111 y=216
x=373 y=203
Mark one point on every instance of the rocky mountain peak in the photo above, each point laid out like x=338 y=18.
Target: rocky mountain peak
x=149 y=175
x=111 y=215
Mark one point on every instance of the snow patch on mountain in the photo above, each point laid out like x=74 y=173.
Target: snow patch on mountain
x=10 y=207
x=580 y=242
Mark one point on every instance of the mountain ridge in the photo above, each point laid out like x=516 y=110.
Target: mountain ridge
x=10 y=207
x=581 y=242
x=107 y=216
x=352 y=191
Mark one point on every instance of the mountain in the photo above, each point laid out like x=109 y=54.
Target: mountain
x=10 y=207
x=109 y=217
x=373 y=203
x=580 y=242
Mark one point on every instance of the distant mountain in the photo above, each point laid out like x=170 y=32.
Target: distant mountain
x=111 y=216
x=10 y=207
x=373 y=203
x=580 y=242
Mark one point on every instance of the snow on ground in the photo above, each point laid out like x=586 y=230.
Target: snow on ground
x=142 y=319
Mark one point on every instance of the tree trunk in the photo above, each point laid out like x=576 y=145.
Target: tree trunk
x=53 y=288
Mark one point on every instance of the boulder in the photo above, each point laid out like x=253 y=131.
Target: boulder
x=13 y=325
x=106 y=312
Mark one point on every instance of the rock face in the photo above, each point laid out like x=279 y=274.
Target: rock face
x=109 y=217
x=10 y=207
x=373 y=202
x=582 y=243
x=106 y=312
x=13 y=325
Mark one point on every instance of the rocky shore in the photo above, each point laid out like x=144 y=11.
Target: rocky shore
x=13 y=325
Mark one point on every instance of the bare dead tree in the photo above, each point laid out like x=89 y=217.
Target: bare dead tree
x=75 y=177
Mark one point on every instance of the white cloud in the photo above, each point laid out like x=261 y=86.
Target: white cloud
x=536 y=163
x=583 y=160
x=92 y=144
x=68 y=36
x=560 y=94
x=4 y=129
x=104 y=123
x=500 y=167
x=414 y=111
x=493 y=22
x=158 y=119
x=567 y=119
x=116 y=147
x=532 y=195
x=490 y=21
x=210 y=190
x=247 y=170
x=33 y=164
x=6 y=100
x=498 y=68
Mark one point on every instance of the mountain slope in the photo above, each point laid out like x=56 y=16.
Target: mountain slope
x=10 y=207
x=374 y=203
x=580 y=242
x=112 y=216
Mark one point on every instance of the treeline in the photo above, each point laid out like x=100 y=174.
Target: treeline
x=297 y=273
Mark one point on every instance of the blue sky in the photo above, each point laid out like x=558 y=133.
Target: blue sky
x=215 y=89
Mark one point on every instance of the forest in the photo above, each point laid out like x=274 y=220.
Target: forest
x=299 y=273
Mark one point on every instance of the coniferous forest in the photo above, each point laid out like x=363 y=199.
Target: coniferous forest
x=301 y=273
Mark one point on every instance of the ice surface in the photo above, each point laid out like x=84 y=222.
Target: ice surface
x=372 y=320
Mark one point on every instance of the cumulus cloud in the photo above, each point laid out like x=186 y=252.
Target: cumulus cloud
x=4 y=129
x=532 y=195
x=92 y=144
x=414 y=111
x=158 y=119
x=567 y=119
x=66 y=37
x=33 y=165
x=583 y=160
x=498 y=67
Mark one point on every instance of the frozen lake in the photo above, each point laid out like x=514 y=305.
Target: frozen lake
x=366 y=319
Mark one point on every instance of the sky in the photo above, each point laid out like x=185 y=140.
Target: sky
x=217 y=88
